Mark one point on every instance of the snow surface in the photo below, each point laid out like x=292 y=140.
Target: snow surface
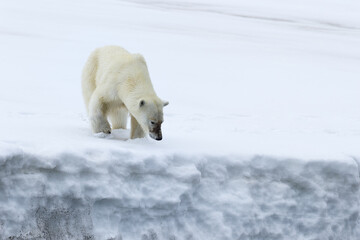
x=261 y=136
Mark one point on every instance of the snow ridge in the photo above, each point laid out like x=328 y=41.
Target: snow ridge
x=123 y=195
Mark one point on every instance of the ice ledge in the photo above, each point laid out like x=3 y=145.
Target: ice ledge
x=124 y=195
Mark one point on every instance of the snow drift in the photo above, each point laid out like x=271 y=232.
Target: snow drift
x=121 y=195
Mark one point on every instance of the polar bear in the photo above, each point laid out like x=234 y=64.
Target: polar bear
x=115 y=83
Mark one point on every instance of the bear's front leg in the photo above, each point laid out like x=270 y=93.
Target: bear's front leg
x=136 y=130
x=97 y=115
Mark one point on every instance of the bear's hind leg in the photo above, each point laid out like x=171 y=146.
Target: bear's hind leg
x=118 y=117
x=97 y=110
x=136 y=129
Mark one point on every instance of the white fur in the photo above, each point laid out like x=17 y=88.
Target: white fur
x=114 y=82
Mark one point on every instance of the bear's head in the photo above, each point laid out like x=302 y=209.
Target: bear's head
x=150 y=116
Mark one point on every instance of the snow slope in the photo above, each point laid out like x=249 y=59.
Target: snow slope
x=119 y=194
x=260 y=138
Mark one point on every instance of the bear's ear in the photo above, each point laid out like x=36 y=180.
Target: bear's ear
x=165 y=103
x=141 y=103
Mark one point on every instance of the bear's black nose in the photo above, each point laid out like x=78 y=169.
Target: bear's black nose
x=158 y=138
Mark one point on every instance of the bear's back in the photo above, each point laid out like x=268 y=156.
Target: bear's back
x=121 y=72
x=111 y=55
x=113 y=58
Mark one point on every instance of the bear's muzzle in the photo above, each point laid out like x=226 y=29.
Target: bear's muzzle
x=156 y=133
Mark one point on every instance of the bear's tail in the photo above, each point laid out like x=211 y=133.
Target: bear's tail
x=88 y=81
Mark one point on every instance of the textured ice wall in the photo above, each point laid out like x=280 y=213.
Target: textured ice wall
x=121 y=195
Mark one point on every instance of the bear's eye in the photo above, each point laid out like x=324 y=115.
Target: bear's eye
x=152 y=122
